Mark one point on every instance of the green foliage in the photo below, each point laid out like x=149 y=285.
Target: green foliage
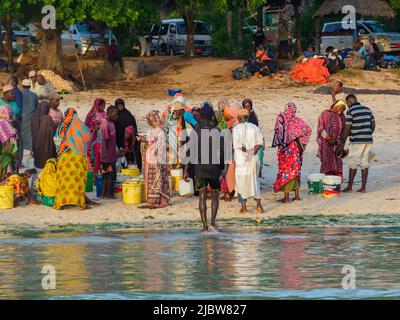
x=111 y=12
x=395 y=4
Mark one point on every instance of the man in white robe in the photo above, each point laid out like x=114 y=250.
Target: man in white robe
x=247 y=140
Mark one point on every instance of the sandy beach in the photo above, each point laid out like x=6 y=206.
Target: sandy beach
x=211 y=81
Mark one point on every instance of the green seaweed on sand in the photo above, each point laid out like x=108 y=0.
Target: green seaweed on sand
x=150 y=223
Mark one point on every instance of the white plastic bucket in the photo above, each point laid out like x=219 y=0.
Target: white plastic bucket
x=186 y=188
x=316 y=177
x=332 y=183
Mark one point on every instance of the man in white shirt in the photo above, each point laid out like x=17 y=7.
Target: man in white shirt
x=33 y=79
x=247 y=140
x=42 y=88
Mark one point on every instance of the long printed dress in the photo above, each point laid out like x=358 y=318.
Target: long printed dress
x=331 y=124
x=289 y=162
x=156 y=181
x=71 y=180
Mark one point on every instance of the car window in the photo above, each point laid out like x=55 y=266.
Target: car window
x=181 y=28
x=164 y=29
x=333 y=27
x=155 y=29
x=362 y=30
x=201 y=28
x=376 y=27
x=336 y=28
x=172 y=29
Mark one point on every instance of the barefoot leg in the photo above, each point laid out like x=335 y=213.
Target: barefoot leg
x=352 y=175
x=297 y=195
x=259 y=206
x=286 y=198
x=203 y=208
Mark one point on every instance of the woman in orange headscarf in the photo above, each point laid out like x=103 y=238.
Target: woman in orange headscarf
x=71 y=140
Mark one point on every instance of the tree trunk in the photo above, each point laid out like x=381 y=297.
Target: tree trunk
x=188 y=16
x=298 y=29
x=260 y=17
x=229 y=24
x=240 y=23
x=9 y=48
x=50 y=56
x=2 y=46
x=318 y=35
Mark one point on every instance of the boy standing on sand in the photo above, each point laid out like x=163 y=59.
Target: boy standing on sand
x=360 y=126
x=108 y=154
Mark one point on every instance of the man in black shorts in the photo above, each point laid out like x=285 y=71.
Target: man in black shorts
x=207 y=144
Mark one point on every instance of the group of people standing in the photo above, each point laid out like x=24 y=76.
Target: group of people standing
x=65 y=148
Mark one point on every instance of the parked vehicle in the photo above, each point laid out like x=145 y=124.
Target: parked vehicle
x=171 y=38
x=333 y=35
x=85 y=38
x=18 y=37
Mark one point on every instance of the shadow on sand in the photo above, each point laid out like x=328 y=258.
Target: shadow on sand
x=327 y=90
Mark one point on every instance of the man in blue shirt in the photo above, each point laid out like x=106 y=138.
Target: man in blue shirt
x=360 y=126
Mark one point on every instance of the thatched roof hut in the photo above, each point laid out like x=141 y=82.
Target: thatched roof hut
x=366 y=8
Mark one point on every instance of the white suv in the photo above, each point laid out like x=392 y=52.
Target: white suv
x=333 y=35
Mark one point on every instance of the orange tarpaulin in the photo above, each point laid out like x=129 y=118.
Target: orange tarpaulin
x=311 y=71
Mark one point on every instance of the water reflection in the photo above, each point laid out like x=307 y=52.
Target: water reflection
x=235 y=262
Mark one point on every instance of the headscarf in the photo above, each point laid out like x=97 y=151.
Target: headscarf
x=252 y=114
x=7 y=131
x=119 y=101
x=207 y=111
x=339 y=103
x=223 y=103
x=72 y=134
x=289 y=127
x=124 y=120
x=43 y=131
x=95 y=116
x=230 y=115
x=247 y=101
x=129 y=143
x=154 y=119
x=93 y=122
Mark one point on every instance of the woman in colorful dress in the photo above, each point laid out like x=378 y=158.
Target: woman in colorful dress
x=71 y=140
x=230 y=120
x=8 y=142
x=156 y=181
x=93 y=121
x=221 y=105
x=331 y=123
x=291 y=137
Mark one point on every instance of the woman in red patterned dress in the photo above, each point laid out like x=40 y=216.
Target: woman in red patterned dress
x=291 y=137
x=331 y=123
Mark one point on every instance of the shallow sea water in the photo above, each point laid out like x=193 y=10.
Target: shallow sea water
x=250 y=263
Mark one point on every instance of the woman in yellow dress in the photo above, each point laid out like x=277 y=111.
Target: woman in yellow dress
x=71 y=140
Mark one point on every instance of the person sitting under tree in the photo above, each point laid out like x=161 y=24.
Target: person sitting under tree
x=114 y=55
